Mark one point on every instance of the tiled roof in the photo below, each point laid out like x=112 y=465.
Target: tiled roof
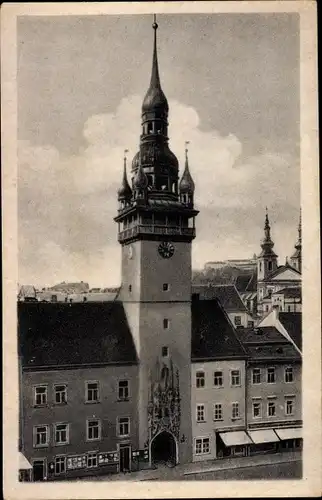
x=273 y=352
x=281 y=269
x=213 y=336
x=56 y=334
x=260 y=335
x=292 y=322
x=27 y=291
x=227 y=295
x=290 y=293
x=267 y=342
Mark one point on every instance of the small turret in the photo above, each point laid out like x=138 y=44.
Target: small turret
x=140 y=184
x=186 y=185
x=124 y=193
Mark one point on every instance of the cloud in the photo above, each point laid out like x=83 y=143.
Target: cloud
x=67 y=203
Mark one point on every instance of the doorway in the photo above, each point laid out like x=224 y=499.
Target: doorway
x=164 y=449
x=125 y=458
x=38 y=469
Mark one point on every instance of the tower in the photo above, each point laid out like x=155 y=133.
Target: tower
x=156 y=226
x=296 y=259
x=267 y=259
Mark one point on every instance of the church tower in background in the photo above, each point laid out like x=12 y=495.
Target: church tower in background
x=156 y=226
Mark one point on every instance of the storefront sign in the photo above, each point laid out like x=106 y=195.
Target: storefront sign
x=76 y=462
x=110 y=457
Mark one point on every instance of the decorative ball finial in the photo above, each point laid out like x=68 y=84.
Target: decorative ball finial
x=186 y=147
x=155 y=25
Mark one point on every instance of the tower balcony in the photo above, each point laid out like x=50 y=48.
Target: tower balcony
x=135 y=232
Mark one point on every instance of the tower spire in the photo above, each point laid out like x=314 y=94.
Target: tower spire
x=155 y=77
x=125 y=191
x=267 y=243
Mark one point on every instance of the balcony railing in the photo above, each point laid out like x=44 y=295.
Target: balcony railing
x=132 y=232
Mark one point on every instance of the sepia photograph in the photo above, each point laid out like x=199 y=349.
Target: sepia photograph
x=160 y=208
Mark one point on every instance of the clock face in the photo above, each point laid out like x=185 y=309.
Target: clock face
x=166 y=249
x=130 y=252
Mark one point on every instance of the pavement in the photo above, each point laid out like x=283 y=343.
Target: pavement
x=181 y=470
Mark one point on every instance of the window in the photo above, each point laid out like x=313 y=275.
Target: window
x=166 y=323
x=271 y=375
x=123 y=390
x=40 y=395
x=130 y=288
x=218 y=411
x=257 y=409
x=271 y=409
x=92 y=459
x=60 y=394
x=218 y=379
x=288 y=374
x=250 y=324
x=270 y=265
x=289 y=407
x=61 y=433
x=41 y=435
x=201 y=413
x=235 y=411
x=202 y=445
x=92 y=392
x=165 y=351
x=235 y=377
x=123 y=426
x=260 y=266
x=200 y=379
x=93 y=430
x=60 y=465
x=256 y=376
x=165 y=287
x=237 y=320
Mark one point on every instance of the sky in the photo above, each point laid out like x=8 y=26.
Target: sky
x=232 y=82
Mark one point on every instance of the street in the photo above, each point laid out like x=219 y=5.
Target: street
x=288 y=470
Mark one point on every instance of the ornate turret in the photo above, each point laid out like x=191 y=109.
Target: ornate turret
x=267 y=259
x=186 y=185
x=124 y=193
x=296 y=259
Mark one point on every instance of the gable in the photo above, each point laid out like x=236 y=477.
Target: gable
x=287 y=275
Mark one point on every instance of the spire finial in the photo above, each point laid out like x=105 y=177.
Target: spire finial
x=125 y=158
x=300 y=226
x=155 y=25
x=186 y=144
x=155 y=78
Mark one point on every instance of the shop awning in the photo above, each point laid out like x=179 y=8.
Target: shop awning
x=234 y=438
x=24 y=464
x=263 y=436
x=291 y=433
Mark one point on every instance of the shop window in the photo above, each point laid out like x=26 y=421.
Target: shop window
x=60 y=465
x=91 y=460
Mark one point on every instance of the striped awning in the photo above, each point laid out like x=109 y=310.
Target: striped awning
x=290 y=433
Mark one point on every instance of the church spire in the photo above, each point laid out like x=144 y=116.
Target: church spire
x=267 y=244
x=296 y=259
x=155 y=100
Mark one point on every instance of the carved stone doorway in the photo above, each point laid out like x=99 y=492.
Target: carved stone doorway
x=164 y=449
